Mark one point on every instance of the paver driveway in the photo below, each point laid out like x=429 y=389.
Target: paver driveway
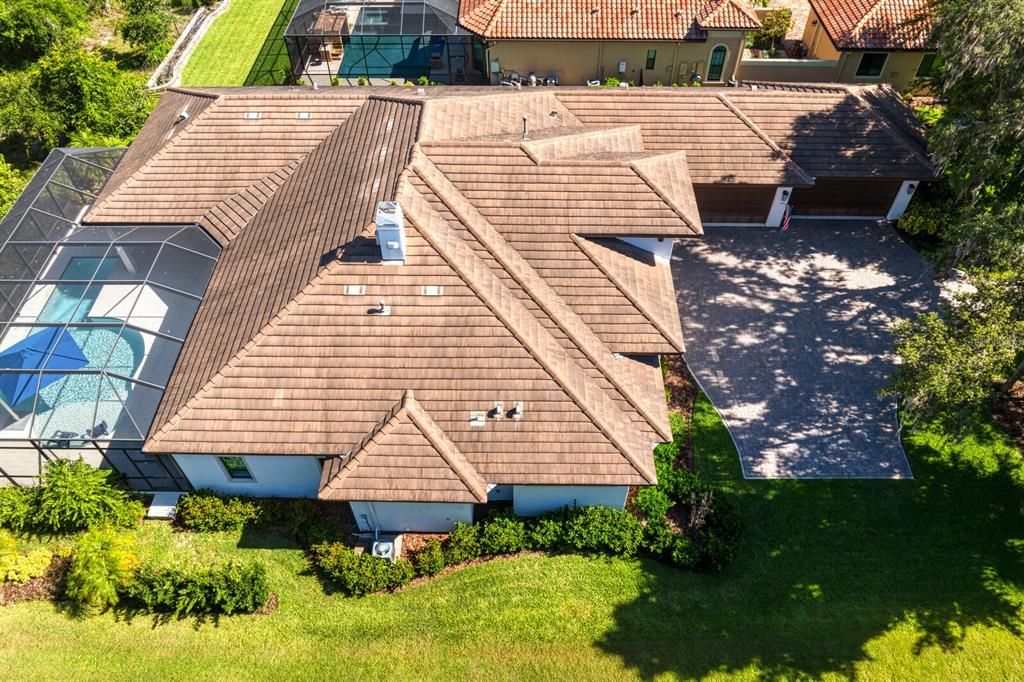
x=788 y=333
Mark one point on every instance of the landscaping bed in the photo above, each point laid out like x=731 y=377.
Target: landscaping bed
x=1009 y=414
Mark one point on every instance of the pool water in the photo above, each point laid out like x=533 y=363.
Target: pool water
x=72 y=302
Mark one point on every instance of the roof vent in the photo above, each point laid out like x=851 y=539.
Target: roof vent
x=391 y=232
x=432 y=290
x=635 y=10
x=251 y=115
x=303 y=115
x=355 y=289
x=595 y=10
x=498 y=412
x=478 y=419
x=517 y=410
x=381 y=309
x=182 y=116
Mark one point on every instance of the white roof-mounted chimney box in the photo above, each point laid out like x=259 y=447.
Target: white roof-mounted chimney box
x=390 y=232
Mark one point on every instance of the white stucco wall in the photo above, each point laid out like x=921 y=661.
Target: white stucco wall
x=273 y=475
x=661 y=247
x=423 y=517
x=531 y=500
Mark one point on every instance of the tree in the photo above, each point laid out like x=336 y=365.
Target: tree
x=774 y=27
x=961 y=360
x=146 y=26
x=30 y=28
x=12 y=181
x=26 y=125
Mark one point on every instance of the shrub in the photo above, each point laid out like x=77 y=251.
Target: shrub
x=360 y=574
x=683 y=553
x=546 y=532
x=502 y=534
x=658 y=537
x=229 y=588
x=17 y=507
x=430 y=560
x=74 y=496
x=204 y=511
x=612 y=82
x=19 y=568
x=463 y=544
x=604 y=530
x=102 y=564
x=653 y=502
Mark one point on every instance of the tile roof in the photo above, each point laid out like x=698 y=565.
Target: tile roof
x=603 y=19
x=538 y=302
x=406 y=457
x=876 y=24
x=836 y=133
x=222 y=153
x=720 y=144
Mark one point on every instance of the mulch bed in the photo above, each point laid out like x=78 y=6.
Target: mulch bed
x=47 y=586
x=268 y=608
x=413 y=543
x=682 y=388
x=1009 y=414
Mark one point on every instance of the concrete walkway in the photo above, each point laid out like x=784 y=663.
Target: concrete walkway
x=788 y=333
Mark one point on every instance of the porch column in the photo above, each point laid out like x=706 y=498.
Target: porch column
x=782 y=195
x=902 y=200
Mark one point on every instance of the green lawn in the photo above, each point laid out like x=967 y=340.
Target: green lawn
x=244 y=46
x=919 y=579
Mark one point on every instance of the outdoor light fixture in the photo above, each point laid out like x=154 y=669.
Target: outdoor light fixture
x=785 y=195
x=911 y=188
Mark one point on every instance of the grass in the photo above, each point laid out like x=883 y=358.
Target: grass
x=244 y=46
x=920 y=579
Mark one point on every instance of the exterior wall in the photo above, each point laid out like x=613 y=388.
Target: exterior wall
x=900 y=68
x=531 y=500
x=272 y=475
x=423 y=517
x=574 y=62
x=818 y=43
x=789 y=70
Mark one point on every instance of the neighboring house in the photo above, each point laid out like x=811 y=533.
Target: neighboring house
x=639 y=41
x=413 y=303
x=872 y=40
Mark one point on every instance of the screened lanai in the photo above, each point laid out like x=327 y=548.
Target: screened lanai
x=92 y=318
x=382 y=41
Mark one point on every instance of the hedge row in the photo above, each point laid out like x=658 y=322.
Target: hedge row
x=205 y=511
x=106 y=572
x=72 y=496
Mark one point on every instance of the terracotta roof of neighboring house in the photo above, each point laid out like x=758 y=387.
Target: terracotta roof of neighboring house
x=603 y=19
x=876 y=24
x=839 y=132
x=531 y=298
x=406 y=457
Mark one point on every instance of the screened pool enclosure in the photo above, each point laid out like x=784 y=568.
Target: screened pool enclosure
x=382 y=41
x=93 y=318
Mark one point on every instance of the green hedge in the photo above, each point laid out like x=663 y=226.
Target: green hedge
x=205 y=511
x=359 y=574
x=229 y=588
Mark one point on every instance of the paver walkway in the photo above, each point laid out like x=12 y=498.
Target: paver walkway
x=788 y=333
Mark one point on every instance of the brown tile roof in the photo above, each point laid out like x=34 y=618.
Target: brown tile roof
x=406 y=457
x=218 y=152
x=603 y=19
x=876 y=24
x=835 y=133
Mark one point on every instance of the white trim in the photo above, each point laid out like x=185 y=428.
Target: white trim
x=725 y=62
x=902 y=199
x=881 y=73
x=734 y=225
x=837 y=217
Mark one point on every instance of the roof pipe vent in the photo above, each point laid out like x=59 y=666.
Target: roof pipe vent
x=390 y=224
x=526 y=127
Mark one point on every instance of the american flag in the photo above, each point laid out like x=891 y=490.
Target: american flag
x=785 y=218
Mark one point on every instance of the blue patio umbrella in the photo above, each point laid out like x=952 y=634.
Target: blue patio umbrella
x=30 y=354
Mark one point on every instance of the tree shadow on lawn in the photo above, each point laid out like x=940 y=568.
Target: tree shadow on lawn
x=273 y=65
x=828 y=566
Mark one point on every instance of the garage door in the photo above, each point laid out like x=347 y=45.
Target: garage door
x=845 y=196
x=734 y=203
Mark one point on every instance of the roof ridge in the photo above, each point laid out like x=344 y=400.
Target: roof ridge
x=530 y=280
x=731 y=106
x=637 y=166
x=444 y=445
x=591 y=398
x=274 y=179
x=195 y=93
x=582 y=241
x=892 y=128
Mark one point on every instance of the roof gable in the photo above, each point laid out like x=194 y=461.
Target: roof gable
x=406 y=457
